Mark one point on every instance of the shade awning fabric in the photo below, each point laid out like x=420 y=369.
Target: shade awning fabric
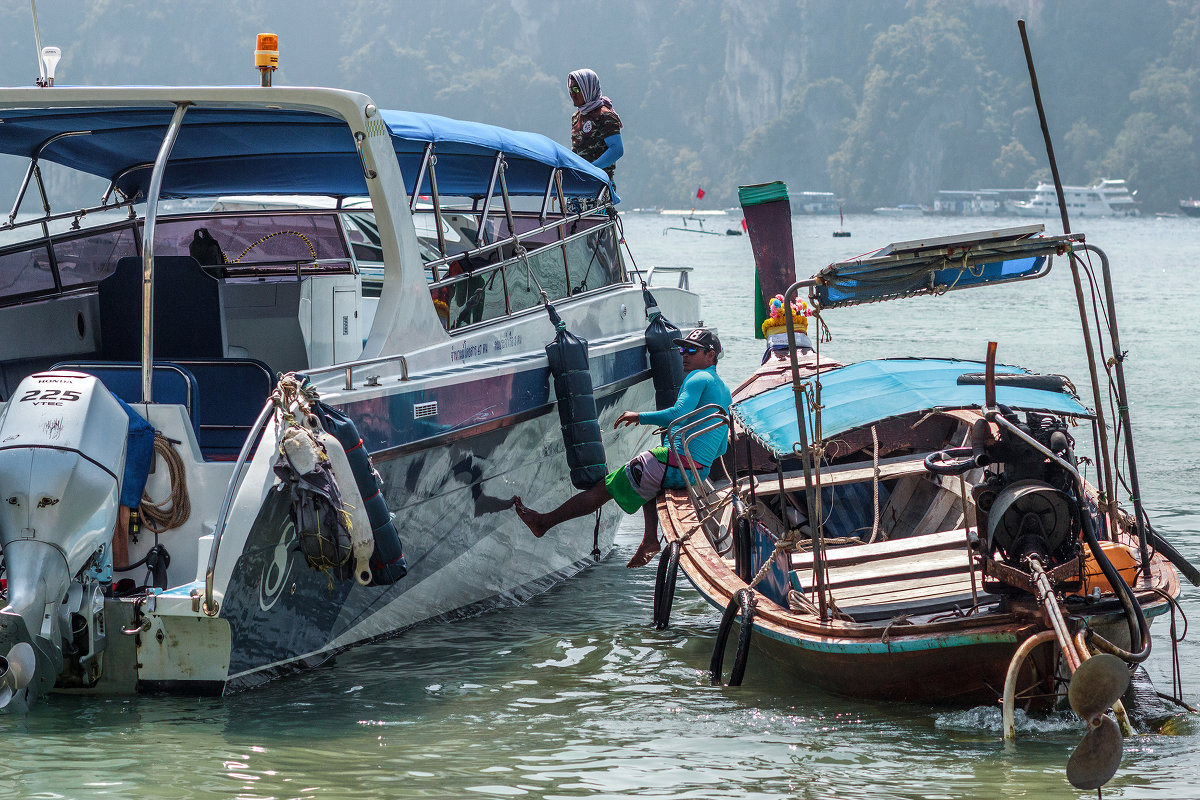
x=238 y=151
x=938 y=265
x=871 y=391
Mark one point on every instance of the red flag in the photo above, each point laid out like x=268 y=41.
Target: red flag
x=699 y=193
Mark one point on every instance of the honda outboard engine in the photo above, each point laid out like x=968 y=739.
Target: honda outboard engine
x=62 y=454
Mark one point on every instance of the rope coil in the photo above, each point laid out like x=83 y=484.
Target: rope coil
x=173 y=510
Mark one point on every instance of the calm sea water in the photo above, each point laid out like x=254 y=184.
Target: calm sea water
x=576 y=695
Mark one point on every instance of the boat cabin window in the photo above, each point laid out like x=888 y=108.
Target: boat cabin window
x=260 y=244
x=27 y=271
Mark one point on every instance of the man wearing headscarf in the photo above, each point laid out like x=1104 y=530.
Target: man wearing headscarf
x=595 y=127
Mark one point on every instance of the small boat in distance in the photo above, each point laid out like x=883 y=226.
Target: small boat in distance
x=841 y=232
x=687 y=215
x=1107 y=198
x=1190 y=207
x=902 y=210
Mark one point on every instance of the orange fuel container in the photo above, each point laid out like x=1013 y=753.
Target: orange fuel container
x=1122 y=557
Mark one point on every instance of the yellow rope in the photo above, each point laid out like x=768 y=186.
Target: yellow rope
x=312 y=250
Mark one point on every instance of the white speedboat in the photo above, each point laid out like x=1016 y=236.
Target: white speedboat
x=423 y=326
x=1108 y=198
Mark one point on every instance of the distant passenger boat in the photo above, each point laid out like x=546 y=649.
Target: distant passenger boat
x=901 y=210
x=1190 y=207
x=813 y=202
x=1108 y=198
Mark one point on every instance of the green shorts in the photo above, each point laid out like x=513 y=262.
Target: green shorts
x=634 y=484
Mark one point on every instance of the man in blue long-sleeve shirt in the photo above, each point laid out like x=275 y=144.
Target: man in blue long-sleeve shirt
x=634 y=484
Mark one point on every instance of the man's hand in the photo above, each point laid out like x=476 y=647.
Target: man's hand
x=626 y=418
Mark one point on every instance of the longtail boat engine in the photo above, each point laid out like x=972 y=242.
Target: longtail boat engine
x=1030 y=510
x=62 y=465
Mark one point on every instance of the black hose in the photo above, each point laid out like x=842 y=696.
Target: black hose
x=1174 y=556
x=743 y=599
x=1139 y=630
x=664 y=585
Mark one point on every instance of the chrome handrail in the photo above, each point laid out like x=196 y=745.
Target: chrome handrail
x=210 y=607
x=687 y=427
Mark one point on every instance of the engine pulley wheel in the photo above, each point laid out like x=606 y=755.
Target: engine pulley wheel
x=1026 y=509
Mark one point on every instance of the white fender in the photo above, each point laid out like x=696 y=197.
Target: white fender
x=362 y=540
x=303 y=446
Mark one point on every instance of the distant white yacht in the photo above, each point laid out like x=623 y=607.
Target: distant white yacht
x=1108 y=198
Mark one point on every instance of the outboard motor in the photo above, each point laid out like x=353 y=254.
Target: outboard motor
x=62 y=452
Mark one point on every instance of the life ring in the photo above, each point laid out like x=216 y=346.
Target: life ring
x=664 y=585
x=743 y=600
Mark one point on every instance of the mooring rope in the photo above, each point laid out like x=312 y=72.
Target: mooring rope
x=176 y=507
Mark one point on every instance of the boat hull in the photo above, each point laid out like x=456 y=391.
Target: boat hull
x=961 y=661
x=467 y=552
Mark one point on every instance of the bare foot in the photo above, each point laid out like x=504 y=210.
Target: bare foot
x=531 y=518
x=644 y=553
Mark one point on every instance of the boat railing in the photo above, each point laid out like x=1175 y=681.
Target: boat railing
x=370 y=380
x=684 y=273
x=684 y=430
x=211 y=607
x=522 y=238
x=588 y=259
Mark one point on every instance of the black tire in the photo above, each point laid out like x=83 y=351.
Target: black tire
x=664 y=585
x=743 y=600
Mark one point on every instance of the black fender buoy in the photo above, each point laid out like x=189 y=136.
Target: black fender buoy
x=744 y=601
x=666 y=364
x=388 y=564
x=568 y=359
x=664 y=585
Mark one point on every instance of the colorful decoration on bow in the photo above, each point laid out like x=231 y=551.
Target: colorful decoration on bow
x=777 y=323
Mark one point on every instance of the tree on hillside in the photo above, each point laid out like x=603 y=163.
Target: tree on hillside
x=920 y=113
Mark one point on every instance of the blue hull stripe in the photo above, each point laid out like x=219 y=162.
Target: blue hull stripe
x=389 y=427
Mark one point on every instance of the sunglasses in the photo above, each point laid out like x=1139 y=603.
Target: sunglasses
x=690 y=351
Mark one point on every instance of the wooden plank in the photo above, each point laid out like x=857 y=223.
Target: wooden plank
x=876 y=612
x=849 y=473
x=862 y=553
x=914 y=590
x=910 y=568
x=898 y=500
x=942 y=505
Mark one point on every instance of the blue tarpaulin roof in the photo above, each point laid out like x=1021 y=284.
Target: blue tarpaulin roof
x=871 y=391
x=283 y=151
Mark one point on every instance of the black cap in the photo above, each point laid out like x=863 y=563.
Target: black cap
x=702 y=338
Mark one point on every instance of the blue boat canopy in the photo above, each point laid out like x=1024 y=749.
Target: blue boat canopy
x=872 y=391
x=937 y=265
x=284 y=151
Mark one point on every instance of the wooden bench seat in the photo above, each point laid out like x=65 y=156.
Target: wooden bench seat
x=916 y=575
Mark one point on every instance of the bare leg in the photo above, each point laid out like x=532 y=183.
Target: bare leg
x=649 y=545
x=578 y=505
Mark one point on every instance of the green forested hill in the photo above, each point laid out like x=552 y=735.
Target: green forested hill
x=880 y=101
